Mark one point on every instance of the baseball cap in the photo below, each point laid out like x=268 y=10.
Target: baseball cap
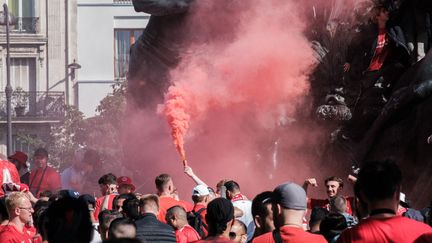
x=68 y=193
x=220 y=210
x=19 y=156
x=200 y=190
x=124 y=180
x=290 y=195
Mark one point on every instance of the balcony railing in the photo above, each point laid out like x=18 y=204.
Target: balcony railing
x=122 y=2
x=23 y=25
x=37 y=104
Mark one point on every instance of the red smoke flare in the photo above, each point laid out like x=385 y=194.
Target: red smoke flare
x=177 y=117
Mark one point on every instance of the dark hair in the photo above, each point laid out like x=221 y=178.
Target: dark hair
x=161 y=181
x=131 y=208
x=107 y=179
x=41 y=151
x=179 y=210
x=3 y=210
x=259 y=204
x=338 y=204
x=118 y=222
x=332 y=225
x=198 y=199
x=232 y=186
x=219 y=212
x=68 y=221
x=105 y=218
x=39 y=216
x=88 y=199
x=378 y=180
x=317 y=215
x=46 y=193
x=335 y=178
x=122 y=196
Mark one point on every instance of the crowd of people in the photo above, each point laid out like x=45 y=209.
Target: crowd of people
x=47 y=211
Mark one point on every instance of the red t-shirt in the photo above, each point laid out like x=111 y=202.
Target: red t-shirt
x=380 y=53
x=99 y=202
x=50 y=180
x=325 y=203
x=394 y=229
x=219 y=239
x=10 y=234
x=9 y=173
x=187 y=234
x=166 y=202
x=291 y=234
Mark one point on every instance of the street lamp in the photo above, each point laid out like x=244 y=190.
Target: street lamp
x=5 y=19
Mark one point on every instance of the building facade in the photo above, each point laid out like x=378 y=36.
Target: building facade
x=106 y=29
x=42 y=52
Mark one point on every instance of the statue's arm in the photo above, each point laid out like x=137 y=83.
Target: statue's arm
x=161 y=7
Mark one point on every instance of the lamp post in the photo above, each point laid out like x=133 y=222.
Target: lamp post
x=8 y=89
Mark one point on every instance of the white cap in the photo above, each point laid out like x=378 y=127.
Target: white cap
x=402 y=197
x=200 y=190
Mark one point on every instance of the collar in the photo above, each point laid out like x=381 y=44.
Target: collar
x=238 y=197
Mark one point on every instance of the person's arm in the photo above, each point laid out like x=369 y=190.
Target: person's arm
x=189 y=172
x=161 y=7
x=309 y=181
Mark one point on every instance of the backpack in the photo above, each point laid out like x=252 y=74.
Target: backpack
x=197 y=222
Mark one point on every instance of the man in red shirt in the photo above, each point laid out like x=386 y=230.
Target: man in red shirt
x=334 y=186
x=165 y=190
x=108 y=188
x=43 y=177
x=20 y=212
x=289 y=208
x=201 y=197
x=379 y=185
x=176 y=217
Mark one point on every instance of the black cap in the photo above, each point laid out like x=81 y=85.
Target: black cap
x=220 y=210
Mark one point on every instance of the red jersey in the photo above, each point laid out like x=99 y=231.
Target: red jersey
x=9 y=173
x=99 y=202
x=377 y=230
x=381 y=51
x=219 y=239
x=10 y=234
x=166 y=202
x=291 y=234
x=187 y=234
x=44 y=179
x=325 y=203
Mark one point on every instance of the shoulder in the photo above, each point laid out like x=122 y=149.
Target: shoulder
x=265 y=238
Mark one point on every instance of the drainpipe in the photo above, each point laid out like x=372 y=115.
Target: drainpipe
x=67 y=51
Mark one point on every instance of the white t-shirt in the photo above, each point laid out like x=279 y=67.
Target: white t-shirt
x=247 y=219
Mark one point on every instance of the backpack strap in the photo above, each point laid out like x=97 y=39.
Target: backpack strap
x=277 y=236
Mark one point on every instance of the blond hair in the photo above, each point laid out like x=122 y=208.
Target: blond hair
x=150 y=202
x=13 y=201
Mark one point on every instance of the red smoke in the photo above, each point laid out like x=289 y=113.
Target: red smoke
x=177 y=117
x=244 y=91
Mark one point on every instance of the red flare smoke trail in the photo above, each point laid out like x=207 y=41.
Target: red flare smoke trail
x=177 y=117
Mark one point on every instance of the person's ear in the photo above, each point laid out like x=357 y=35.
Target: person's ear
x=257 y=222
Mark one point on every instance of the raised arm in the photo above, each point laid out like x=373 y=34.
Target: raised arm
x=188 y=171
x=161 y=7
x=309 y=181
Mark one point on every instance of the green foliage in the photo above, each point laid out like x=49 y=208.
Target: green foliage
x=66 y=138
x=20 y=97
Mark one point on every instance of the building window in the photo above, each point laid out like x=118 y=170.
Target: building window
x=123 y=39
x=23 y=73
x=25 y=12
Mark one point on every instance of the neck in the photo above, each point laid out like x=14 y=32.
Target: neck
x=381 y=24
x=164 y=194
x=17 y=223
x=293 y=218
x=387 y=203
